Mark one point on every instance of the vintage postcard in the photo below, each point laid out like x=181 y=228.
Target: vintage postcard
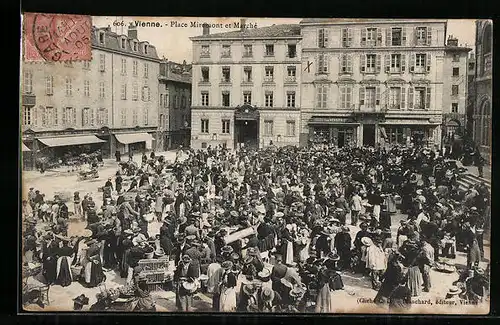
x=261 y=165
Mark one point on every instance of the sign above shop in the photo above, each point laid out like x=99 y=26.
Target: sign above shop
x=329 y=120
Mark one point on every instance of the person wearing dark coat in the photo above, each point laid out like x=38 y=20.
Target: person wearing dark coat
x=118 y=183
x=278 y=272
x=49 y=259
x=391 y=278
x=342 y=244
x=64 y=276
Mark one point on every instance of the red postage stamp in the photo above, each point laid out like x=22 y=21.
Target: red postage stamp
x=57 y=37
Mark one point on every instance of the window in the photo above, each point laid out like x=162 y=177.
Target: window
x=269 y=49
x=454 y=90
x=345 y=64
x=69 y=116
x=204 y=98
x=456 y=57
x=225 y=126
x=322 y=64
x=135 y=91
x=345 y=96
x=370 y=63
x=290 y=99
x=87 y=117
x=49 y=85
x=123 y=94
x=205 y=74
x=247 y=51
x=69 y=86
x=290 y=128
x=422 y=63
x=102 y=116
x=419 y=98
x=146 y=94
x=247 y=97
x=135 y=46
x=204 y=126
x=123 y=42
x=396 y=37
x=395 y=98
x=86 y=88
x=396 y=64
x=28 y=112
x=101 y=90
x=123 y=117
x=268 y=127
x=101 y=37
x=146 y=70
x=454 y=107
x=395 y=135
x=102 y=62
x=49 y=116
x=423 y=36
x=226 y=51
x=28 y=82
x=205 y=51
x=134 y=68
x=292 y=50
x=291 y=72
x=226 y=74
x=322 y=38
x=161 y=100
x=371 y=36
x=269 y=74
x=225 y=99
x=370 y=100
x=183 y=101
x=165 y=101
x=145 y=115
x=321 y=96
x=124 y=67
x=247 y=74
x=268 y=102
x=146 y=47
x=346 y=37
x=456 y=72
x=86 y=65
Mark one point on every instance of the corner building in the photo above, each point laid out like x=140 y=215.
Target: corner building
x=108 y=103
x=246 y=87
x=368 y=82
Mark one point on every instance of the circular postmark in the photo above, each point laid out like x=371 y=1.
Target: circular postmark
x=62 y=37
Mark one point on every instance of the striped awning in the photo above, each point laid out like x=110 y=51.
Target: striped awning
x=127 y=138
x=70 y=141
x=24 y=148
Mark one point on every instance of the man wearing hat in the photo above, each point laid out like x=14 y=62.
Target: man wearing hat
x=269 y=300
x=184 y=271
x=343 y=247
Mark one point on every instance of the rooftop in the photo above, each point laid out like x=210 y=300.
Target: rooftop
x=361 y=20
x=176 y=72
x=274 y=31
x=112 y=42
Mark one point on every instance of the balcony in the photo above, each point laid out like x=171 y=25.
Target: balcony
x=204 y=82
x=28 y=100
x=268 y=79
x=369 y=109
x=225 y=81
x=290 y=79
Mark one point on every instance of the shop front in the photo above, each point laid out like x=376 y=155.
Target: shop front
x=329 y=130
x=133 y=142
x=68 y=146
x=414 y=135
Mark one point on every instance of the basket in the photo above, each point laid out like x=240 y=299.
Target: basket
x=150 y=255
x=76 y=271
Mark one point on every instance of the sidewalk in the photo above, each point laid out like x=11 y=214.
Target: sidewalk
x=473 y=170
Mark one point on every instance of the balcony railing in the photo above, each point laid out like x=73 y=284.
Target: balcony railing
x=291 y=79
x=367 y=109
x=268 y=79
x=225 y=81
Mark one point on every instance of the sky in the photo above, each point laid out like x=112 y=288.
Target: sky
x=172 y=38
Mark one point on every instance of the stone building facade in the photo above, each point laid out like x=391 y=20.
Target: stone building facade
x=368 y=82
x=175 y=105
x=455 y=97
x=108 y=103
x=246 y=87
x=482 y=122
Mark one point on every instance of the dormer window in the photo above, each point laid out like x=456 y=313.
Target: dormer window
x=146 y=48
x=123 y=42
x=135 y=46
x=101 y=37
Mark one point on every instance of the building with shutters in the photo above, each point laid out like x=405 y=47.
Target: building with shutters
x=246 y=87
x=175 y=105
x=372 y=81
x=108 y=103
x=481 y=116
x=455 y=92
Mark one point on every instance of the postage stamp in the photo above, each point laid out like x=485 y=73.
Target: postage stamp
x=57 y=37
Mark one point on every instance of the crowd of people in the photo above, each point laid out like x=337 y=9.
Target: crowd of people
x=272 y=230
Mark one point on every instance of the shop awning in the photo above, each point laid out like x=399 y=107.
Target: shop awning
x=71 y=141
x=127 y=138
x=24 y=147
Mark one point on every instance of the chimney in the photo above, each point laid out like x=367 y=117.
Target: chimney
x=452 y=41
x=206 y=29
x=242 y=24
x=108 y=29
x=132 y=31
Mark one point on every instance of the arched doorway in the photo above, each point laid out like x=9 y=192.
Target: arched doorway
x=246 y=126
x=486 y=45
